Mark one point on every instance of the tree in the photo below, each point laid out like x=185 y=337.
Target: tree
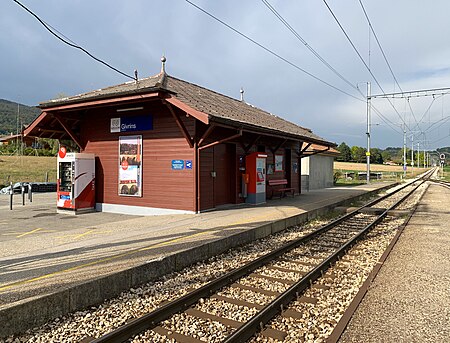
x=358 y=154
x=345 y=153
x=376 y=156
x=386 y=156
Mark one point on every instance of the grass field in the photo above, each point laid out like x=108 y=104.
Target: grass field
x=446 y=175
x=389 y=172
x=26 y=169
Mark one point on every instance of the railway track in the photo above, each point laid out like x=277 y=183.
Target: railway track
x=238 y=305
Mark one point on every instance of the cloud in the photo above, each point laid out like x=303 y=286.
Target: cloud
x=134 y=34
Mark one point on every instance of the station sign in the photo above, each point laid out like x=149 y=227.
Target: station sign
x=130 y=124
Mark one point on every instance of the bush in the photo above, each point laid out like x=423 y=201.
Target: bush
x=336 y=176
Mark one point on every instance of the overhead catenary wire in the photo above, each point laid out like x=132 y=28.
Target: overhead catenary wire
x=69 y=42
x=379 y=45
x=292 y=64
x=363 y=61
x=309 y=47
x=301 y=39
x=387 y=62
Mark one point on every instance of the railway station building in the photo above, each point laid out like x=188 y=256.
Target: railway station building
x=189 y=147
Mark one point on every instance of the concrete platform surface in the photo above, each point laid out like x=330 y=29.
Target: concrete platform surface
x=409 y=300
x=56 y=263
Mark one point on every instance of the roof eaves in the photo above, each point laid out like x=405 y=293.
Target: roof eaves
x=280 y=133
x=74 y=100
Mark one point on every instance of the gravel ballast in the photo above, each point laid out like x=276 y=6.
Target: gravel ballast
x=409 y=301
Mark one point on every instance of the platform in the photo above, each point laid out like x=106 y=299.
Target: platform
x=52 y=264
x=409 y=300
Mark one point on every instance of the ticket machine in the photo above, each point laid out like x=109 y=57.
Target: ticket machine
x=256 y=171
x=76 y=181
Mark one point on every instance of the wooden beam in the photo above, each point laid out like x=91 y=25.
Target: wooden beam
x=203 y=117
x=315 y=152
x=277 y=147
x=221 y=141
x=180 y=124
x=48 y=130
x=68 y=130
x=298 y=152
x=35 y=123
x=252 y=143
x=112 y=101
x=206 y=134
x=304 y=149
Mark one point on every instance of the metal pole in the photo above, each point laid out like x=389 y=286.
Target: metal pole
x=412 y=154
x=418 y=155
x=11 y=193
x=30 y=193
x=404 y=151
x=368 y=134
x=22 y=190
x=424 y=154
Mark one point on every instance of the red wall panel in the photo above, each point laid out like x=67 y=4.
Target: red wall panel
x=162 y=187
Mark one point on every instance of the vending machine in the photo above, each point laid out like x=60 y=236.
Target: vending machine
x=256 y=171
x=76 y=181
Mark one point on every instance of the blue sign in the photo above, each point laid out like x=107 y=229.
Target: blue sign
x=188 y=164
x=177 y=164
x=129 y=124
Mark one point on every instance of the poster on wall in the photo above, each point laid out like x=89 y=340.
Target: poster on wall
x=130 y=165
x=278 y=163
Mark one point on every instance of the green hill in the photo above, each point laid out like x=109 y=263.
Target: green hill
x=8 y=116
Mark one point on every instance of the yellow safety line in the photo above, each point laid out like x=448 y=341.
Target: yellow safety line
x=175 y=240
x=19 y=283
x=83 y=234
x=26 y=233
x=29 y=232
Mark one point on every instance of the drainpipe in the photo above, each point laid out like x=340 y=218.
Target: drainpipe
x=197 y=177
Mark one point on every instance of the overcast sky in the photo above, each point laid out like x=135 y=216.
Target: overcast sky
x=35 y=66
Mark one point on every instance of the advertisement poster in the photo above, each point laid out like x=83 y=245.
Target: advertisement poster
x=130 y=165
x=278 y=163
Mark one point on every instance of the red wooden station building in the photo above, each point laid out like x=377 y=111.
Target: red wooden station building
x=164 y=145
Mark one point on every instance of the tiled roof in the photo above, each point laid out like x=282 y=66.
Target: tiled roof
x=219 y=107
x=315 y=148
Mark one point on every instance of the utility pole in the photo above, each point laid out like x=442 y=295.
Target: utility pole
x=412 y=154
x=368 y=134
x=424 y=154
x=17 y=130
x=404 y=151
x=418 y=155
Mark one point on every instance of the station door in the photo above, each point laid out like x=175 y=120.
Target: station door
x=223 y=166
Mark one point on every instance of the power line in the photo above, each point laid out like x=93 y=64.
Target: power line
x=301 y=39
x=269 y=50
x=379 y=45
x=310 y=48
x=412 y=112
x=415 y=93
x=362 y=60
x=68 y=42
x=386 y=120
x=440 y=139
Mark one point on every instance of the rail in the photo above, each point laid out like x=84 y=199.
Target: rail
x=257 y=322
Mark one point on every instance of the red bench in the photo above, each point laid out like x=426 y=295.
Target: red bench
x=282 y=190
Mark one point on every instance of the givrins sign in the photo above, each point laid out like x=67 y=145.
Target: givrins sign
x=130 y=124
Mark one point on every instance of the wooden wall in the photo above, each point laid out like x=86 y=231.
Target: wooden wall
x=162 y=187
